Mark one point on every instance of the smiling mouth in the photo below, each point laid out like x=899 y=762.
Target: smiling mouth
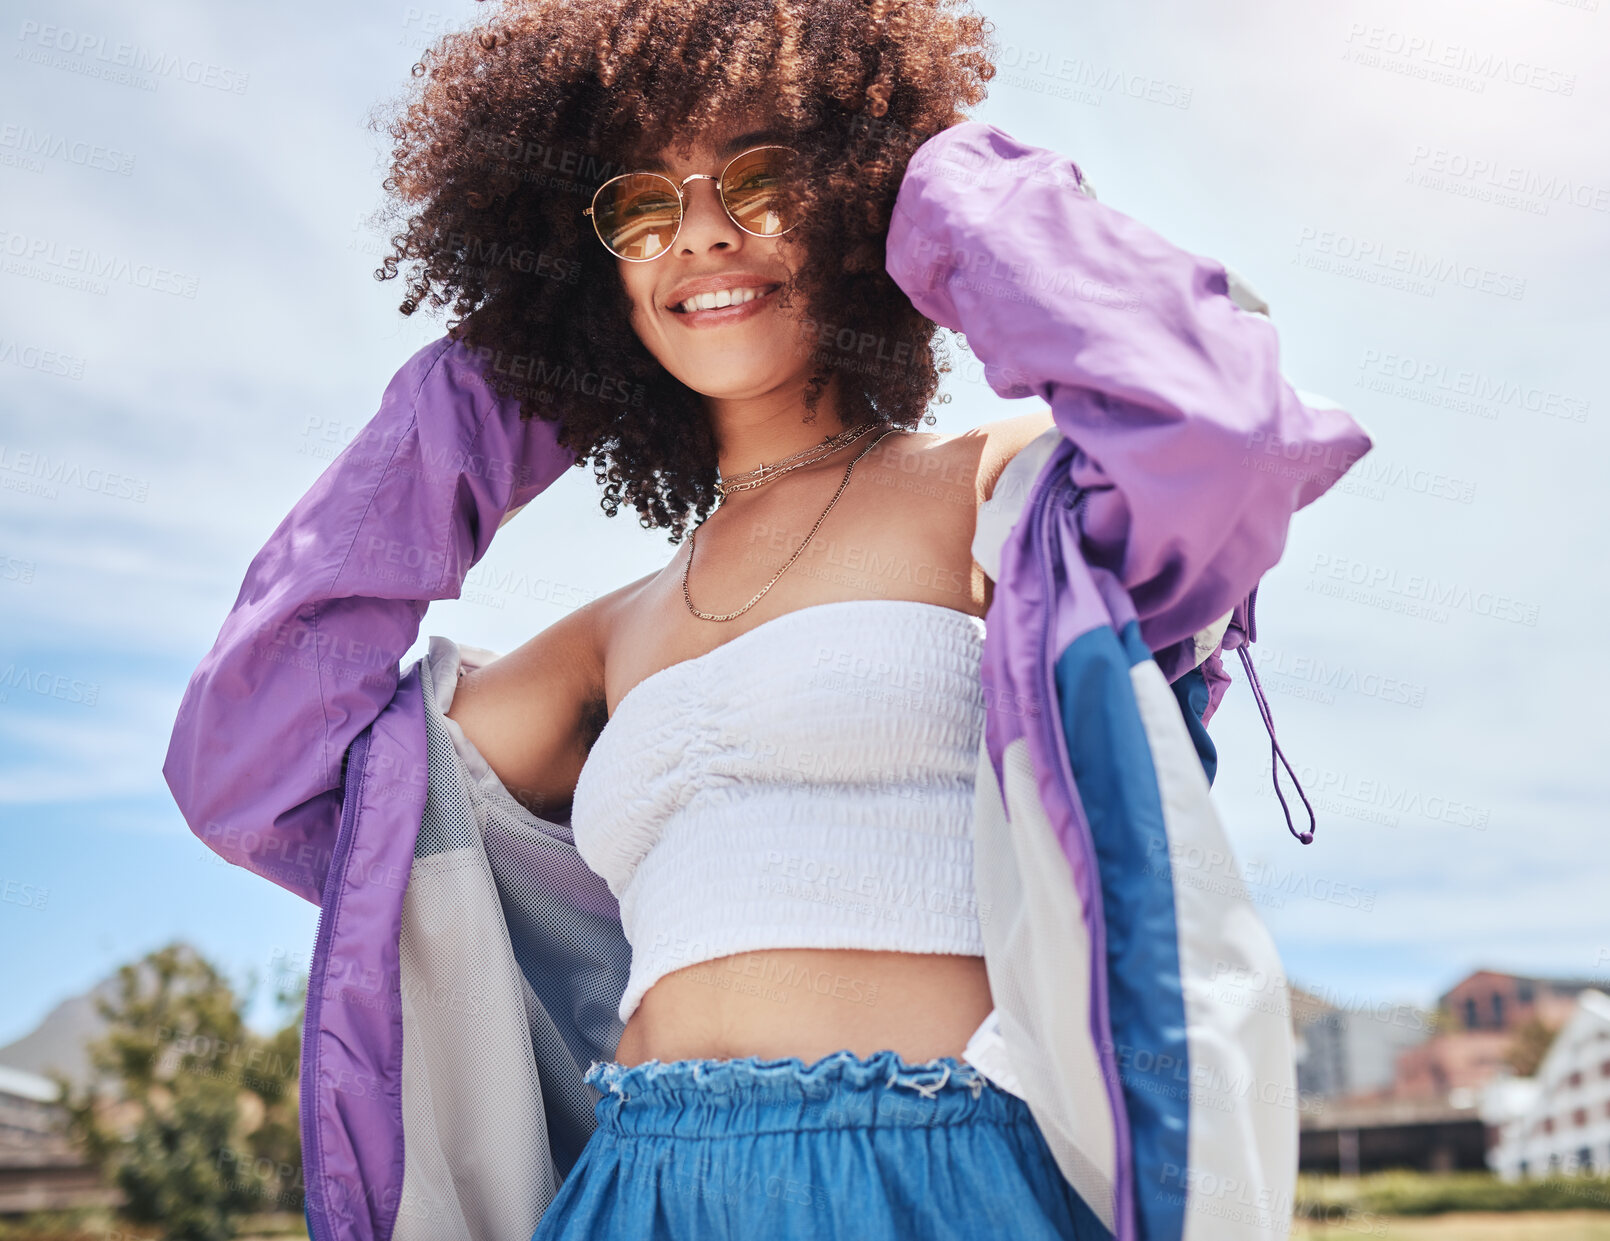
x=739 y=297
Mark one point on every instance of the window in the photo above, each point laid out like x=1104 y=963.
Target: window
x=1471 y=1022
x=1548 y=1124
x=1604 y=1069
x=1523 y=991
x=1498 y=1011
x=1584 y=1159
x=1579 y=1117
x=1575 y=1079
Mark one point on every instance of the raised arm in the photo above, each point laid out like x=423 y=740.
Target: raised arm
x=1194 y=449
x=308 y=656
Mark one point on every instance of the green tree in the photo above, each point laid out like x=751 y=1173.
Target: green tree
x=192 y=1114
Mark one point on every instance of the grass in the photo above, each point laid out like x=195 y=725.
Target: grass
x=1422 y=1193
x=100 y=1224
x=1464 y=1226
x=1384 y=1206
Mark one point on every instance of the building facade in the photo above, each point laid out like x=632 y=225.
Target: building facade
x=1488 y=1000
x=1561 y=1122
x=1352 y=1050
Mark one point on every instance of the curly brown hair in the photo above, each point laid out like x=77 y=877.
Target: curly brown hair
x=504 y=136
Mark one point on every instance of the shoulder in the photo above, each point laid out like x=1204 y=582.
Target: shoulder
x=565 y=658
x=534 y=713
x=982 y=453
x=586 y=631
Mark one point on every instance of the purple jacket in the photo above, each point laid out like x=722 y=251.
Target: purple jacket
x=1140 y=1001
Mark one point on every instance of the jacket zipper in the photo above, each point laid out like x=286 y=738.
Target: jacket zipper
x=334 y=883
x=1056 y=741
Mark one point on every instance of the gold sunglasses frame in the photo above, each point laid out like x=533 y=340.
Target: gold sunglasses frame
x=682 y=200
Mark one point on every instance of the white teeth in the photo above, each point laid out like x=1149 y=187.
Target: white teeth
x=721 y=297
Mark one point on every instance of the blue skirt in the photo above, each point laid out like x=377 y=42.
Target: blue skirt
x=868 y=1148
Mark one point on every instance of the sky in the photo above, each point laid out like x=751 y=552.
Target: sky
x=1420 y=191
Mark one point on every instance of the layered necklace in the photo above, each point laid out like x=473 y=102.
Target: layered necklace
x=751 y=479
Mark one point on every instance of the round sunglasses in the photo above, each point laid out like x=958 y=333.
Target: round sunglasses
x=638 y=215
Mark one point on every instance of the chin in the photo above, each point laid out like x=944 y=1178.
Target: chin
x=739 y=372
x=735 y=384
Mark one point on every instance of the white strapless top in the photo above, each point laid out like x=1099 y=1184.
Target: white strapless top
x=806 y=784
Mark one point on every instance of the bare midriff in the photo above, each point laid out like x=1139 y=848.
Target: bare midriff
x=810 y=1002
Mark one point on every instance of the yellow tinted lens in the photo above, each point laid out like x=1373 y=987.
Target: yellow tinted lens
x=637 y=214
x=752 y=189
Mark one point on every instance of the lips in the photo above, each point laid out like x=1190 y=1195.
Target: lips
x=762 y=292
x=714 y=282
x=723 y=316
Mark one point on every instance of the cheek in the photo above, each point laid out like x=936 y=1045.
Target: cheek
x=639 y=296
x=632 y=283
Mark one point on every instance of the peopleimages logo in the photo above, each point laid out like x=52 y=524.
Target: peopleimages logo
x=34 y=358
x=1357 y=581
x=1499 y=174
x=47 y=685
x=1464 y=389
x=97 y=50
x=34 y=473
x=1429 y=57
x=26 y=255
x=1406 y=267
x=31 y=144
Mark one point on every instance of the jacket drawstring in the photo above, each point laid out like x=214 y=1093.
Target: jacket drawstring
x=1276 y=752
x=1246 y=621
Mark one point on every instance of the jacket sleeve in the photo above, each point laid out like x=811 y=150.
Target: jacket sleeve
x=1193 y=451
x=309 y=655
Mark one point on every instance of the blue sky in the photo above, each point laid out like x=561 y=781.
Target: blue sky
x=1456 y=755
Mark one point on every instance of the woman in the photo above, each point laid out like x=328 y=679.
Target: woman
x=860 y=509
x=806 y=685
x=832 y=505
x=878 y=519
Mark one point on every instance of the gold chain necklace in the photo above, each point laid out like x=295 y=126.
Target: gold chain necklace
x=688 y=567
x=750 y=479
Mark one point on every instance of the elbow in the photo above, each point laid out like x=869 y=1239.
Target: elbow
x=1300 y=451
x=224 y=810
x=181 y=771
x=1292 y=444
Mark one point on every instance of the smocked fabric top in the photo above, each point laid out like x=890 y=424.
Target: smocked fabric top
x=806 y=784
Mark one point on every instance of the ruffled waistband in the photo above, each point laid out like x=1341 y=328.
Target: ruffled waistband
x=703 y=1097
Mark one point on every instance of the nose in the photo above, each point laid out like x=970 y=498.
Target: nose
x=705 y=222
